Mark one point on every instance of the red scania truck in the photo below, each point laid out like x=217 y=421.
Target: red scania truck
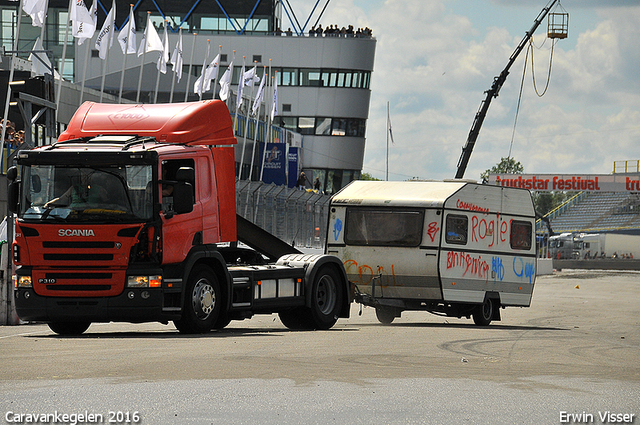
x=131 y=216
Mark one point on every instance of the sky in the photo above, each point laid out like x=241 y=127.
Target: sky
x=436 y=58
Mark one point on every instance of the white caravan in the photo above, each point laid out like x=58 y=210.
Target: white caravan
x=454 y=248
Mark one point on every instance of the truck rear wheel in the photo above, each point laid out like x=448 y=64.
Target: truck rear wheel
x=326 y=299
x=69 y=328
x=202 y=302
x=483 y=313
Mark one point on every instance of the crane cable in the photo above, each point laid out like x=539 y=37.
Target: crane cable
x=533 y=74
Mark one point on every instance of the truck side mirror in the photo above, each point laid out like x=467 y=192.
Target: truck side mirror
x=13 y=192
x=12 y=173
x=183 y=198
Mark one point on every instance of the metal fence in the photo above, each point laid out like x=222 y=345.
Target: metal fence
x=296 y=216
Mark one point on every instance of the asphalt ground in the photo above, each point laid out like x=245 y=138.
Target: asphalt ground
x=575 y=351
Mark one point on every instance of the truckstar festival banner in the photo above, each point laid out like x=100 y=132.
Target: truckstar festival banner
x=569 y=182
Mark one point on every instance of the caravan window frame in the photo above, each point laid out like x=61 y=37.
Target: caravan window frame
x=405 y=218
x=520 y=235
x=457 y=232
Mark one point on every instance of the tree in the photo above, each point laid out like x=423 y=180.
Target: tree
x=367 y=176
x=505 y=166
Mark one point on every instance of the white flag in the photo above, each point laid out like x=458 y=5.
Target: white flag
x=199 y=84
x=127 y=36
x=150 y=40
x=164 y=55
x=240 y=87
x=176 y=57
x=211 y=73
x=104 y=41
x=250 y=77
x=225 y=82
x=260 y=95
x=274 y=105
x=40 y=63
x=82 y=24
x=37 y=9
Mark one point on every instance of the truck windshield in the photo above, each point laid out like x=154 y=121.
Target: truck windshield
x=80 y=194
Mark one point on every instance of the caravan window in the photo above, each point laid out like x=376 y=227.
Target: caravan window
x=521 y=235
x=384 y=227
x=457 y=228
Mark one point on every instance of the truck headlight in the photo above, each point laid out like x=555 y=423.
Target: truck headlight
x=144 y=281
x=21 y=281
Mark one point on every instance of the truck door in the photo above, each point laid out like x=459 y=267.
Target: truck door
x=179 y=231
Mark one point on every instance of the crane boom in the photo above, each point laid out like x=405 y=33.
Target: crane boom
x=493 y=92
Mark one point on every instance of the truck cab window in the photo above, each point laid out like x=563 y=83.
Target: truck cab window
x=457 y=228
x=170 y=178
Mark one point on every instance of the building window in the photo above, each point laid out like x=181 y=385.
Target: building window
x=323 y=126
x=286 y=107
x=310 y=77
x=288 y=77
x=257 y=58
x=339 y=127
x=306 y=125
x=223 y=58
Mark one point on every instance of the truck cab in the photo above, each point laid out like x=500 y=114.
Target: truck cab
x=131 y=216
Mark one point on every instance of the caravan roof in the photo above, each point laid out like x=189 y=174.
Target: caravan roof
x=453 y=194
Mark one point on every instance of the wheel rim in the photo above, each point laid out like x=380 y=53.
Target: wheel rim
x=203 y=299
x=487 y=309
x=326 y=295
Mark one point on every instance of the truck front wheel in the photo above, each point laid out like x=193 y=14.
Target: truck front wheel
x=202 y=302
x=69 y=328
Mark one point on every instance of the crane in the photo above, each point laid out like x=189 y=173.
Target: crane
x=493 y=92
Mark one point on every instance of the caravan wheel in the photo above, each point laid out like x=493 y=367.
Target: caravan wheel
x=482 y=314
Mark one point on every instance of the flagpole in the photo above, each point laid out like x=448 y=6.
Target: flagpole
x=64 y=56
x=267 y=134
x=387 y=175
x=193 y=48
x=264 y=155
x=255 y=133
x=155 y=97
x=235 y=118
x=204 y=68
x=247 y=119
x=175 y=71
x=126 y=52
x=144 y=54
x=104 y=71
x=215 y=80
x=11 y=72
x=84 y=71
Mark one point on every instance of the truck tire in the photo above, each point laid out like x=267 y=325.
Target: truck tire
x=385 y=315
x=326 y=299
x=296 y=319
x=202 y=302
x=483 y=313
x=69 y=328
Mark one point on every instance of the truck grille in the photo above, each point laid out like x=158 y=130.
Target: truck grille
x=78 y=257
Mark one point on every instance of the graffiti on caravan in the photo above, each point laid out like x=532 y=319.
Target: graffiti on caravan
x=570 y=182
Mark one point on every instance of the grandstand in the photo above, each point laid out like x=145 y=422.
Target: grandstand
x=598 y=212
